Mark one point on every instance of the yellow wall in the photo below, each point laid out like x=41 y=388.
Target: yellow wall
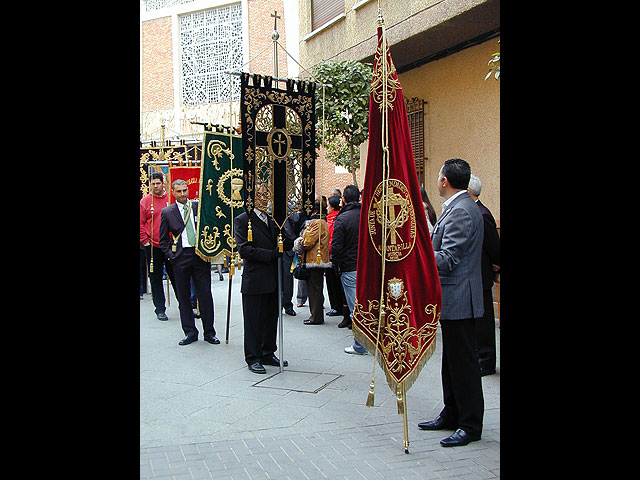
x=462 y=118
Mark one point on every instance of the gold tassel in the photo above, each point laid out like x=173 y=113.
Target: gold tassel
x=370 y=396
x=232 y=270
x=318 y=258
x=238 y=263
x=280 y=244
x=151 y=266
x=226 y=264
x=400 y=399
x=249 y=233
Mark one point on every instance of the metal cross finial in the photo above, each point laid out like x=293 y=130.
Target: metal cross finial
x=275 y=19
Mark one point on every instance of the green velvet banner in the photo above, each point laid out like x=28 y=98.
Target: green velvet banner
x=221 y=194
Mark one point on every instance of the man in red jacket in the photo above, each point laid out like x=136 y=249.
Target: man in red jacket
x=150 y=237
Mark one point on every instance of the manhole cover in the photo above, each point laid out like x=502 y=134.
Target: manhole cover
x=295 y=381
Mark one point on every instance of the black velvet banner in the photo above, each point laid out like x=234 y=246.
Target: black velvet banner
x=278 y=144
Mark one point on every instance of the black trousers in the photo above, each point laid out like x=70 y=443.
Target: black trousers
x=486 y=334
x=315 y=287
x=187 y=266
x=337 y=299
x=260 y=314
x=155 y=277
x=461 y=381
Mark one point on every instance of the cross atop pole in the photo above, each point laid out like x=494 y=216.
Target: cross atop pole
x=275 y=19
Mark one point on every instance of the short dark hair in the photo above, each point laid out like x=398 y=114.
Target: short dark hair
x=351 y=194
x=458 y=172
x=177 y=181
x=334 y=201
x=157 y=175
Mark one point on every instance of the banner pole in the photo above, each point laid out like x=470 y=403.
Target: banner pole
x=226 y=340
x=151 y=193
x=274 y=36
x=168 y=294
x=405 y=428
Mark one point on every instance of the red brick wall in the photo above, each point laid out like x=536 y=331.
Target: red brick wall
x=157 y=65
x=327 y=179
x=260 y=28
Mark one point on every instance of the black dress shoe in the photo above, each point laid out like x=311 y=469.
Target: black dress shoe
x=162 y=316
x=257 y=368
x=487 y=371
x=188 y=339
x=459 y=438
x=346 y=322
x=309 y=322
x=290 y=311
x=211 y=338
x=275 y=361
x=439 y=423
x=333 y=313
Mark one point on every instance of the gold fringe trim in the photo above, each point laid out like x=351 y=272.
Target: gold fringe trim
x=409 y=379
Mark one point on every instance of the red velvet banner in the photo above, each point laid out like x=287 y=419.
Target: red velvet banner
x=411 y=291
x=191 y=175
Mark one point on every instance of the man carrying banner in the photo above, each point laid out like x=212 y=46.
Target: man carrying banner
x=259 y=287
x=178 y=240
x=457 y=243
x=150 y=208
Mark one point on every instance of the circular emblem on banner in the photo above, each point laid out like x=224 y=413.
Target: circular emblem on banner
x=400 y=220
x=278 y=143
x=234 y=176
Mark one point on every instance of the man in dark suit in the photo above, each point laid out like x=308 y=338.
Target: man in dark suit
x=178 y=232
x=259 y=287
x=457 y=246
x=486 y=326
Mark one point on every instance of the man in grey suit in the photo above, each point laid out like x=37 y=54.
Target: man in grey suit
x=457 y=245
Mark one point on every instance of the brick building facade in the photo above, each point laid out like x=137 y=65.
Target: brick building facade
x=161 y=65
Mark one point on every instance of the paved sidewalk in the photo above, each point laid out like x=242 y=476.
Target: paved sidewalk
x=204 y=415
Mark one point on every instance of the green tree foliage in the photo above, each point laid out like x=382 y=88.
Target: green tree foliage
x=346 y=110
x=494 y=65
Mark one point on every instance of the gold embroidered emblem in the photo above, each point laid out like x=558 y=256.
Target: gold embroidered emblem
x=400 y=219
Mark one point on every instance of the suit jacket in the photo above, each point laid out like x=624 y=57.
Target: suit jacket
x=260 y=264
x=171 y=223
x=457 y=244
x=490 y=246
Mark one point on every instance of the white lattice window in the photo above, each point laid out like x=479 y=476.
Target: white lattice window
x=211 y=45
x=159 y=4
x=151 y=5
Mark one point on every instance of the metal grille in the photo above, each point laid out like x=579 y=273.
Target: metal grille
x=211 y=45
x=415 y=112
x=158 y=4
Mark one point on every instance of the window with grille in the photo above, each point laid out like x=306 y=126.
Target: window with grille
x=415 y=112
x=211 y=45
x=324 y=10
x=151 y=5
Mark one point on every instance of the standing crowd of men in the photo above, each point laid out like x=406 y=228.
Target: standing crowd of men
x=466 y=247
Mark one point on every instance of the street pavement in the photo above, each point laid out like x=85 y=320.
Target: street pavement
x=204 y=415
